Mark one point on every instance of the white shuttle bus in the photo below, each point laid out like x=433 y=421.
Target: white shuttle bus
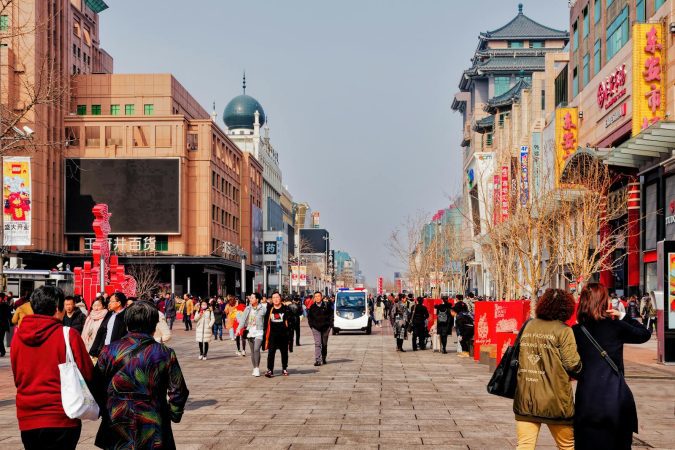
x=352 y=311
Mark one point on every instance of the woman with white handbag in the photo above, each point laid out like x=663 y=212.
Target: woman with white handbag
x=51 y=401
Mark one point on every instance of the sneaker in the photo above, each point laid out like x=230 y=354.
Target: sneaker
x=269 y=374
x=204 y=358
x=243 y=353
x=238 y=353
x=200 y=357
x=284 y=372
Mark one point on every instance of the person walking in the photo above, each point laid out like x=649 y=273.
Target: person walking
x=217 y=322
x=231 y=315
x=38 y=348
x=418 y=324
x=93 y=322
x=294 y=324
x=464 y=328
x=444 y=322
x=548 y=358
x=633 y=307
x=399 y=321
x=141 y=388
x=203 y=322
x=648 y=311
x=379 y=311
x=238 y=338
x=113 y=327
x=163 y=331
x=188 y=309
x=606 y=416
x=73 y=317
x=170 y=310
x=276 y=334
x=5 y=321
x=252 y=326
x=320 y=320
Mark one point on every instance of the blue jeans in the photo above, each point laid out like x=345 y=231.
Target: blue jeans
x=218 y=328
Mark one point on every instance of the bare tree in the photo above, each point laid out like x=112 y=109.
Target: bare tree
x=406 y=244
x=147 y=278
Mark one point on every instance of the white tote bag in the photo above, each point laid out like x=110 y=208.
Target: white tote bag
x=78 y=403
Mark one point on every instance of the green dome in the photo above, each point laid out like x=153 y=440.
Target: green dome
x=239 y=113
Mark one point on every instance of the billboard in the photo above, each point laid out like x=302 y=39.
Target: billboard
x=16 y=196
x=649 y=77
x=256 y=234
x=566 y=136
x=312 y=240
x=143 y=194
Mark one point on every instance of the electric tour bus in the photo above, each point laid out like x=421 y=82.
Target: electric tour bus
x=351 y=311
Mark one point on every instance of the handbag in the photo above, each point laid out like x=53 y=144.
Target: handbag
x=77 y=401
x=504 y=379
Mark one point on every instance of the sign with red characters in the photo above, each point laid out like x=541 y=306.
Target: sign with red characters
x=613 y=88
x=496 y=322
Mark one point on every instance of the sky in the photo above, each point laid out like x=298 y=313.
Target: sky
x=357 y=93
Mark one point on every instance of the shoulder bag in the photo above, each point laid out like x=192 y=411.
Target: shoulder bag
x=505 y=377
x=77 y=401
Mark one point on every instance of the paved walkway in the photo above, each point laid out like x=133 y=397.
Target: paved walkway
x=368 y=396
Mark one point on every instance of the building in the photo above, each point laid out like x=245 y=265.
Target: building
x=178 y=188
x=504 y=65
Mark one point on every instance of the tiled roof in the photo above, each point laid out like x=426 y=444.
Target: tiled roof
x=483 y=124
x=522 y=27
x=508 y=97
x=508 y=64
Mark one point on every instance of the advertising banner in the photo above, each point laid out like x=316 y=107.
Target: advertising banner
x=670 y=308
x=566 y=136
x=380 y=285
x=280 y=248
x=504 y=194
x=536 y=158
x=649 y=77
x=524 y=175
x=497 y=200
x=302 y=275
x=16 y=195
x=496 y=322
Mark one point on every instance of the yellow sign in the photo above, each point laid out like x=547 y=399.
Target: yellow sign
x=649 y=75
x=566 y=136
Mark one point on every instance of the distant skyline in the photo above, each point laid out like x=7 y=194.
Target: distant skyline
x=357 y=93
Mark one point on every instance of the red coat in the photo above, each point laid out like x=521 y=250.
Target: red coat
x=37 y=350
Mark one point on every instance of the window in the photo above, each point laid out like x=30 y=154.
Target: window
x=617 y=34
x=586 y=69
x=536 y=44
x=561 y=88
x=575 y=36
x=114 y=136
x=597 y=15
x=609 y=2
x=213 y=213
x=597 y=57
x=502 y=84
x=76 y=28
x=114 y=110
x=87 y=37
x=163 y=136
x=4 y=23
x=658 y=4
x=162 y=243
x=95 y=110
x=640 y=10
x=543 y=100
x=148 y=110
x=141 y=136
x=488 y=139
x=74 y=50
x=587 y=23
x=81 y=110
x=502 y=118
x=515 y=44
x=129 y=110
x=575 y=83
x=73 y=244
x=92 y=136
x=213 y=179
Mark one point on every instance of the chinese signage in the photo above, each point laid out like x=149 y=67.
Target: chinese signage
x=125 y=244
x=670 y=298
x=497 y=199
x=613 y=88
x=504 y=193
x=280 y=248
x=536 y=155
x=566 y=135
x=649 y=103
x=524 y=175
x=270 y=247
x=380 y=285
x=16 y=196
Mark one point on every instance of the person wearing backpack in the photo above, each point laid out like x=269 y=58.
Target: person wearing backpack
x=633 y=307
x=444 y=322
x=464 y=326
x=648 y=312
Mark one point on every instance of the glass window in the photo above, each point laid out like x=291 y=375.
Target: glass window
x=651 y=216
x=114 y=136
x=609 y=2
x=617 y=34
x=162 y=243
x=488 y=139
x=4 y=23
x=81 y=110
x=586 y=69
x=536 y=44
x=148 y=110
x=141 y=136
x=95 y=110
x=597 y=57
x=597 y=15
x=587 y=23
x=515 y=44
x=658 y=4
x=640 y=10
x=86 y=36
x=129 y=110
x=502 y=84
x=73 y=244
x=575 y=37
x=92 y=136
x=575 y=83
x=114 y=110
x=163 y=136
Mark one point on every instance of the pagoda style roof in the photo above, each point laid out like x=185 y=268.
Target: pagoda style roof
x=485 y=124
x=508 y=98
x=522 y=27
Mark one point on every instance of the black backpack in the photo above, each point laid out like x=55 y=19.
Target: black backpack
x=443 y=316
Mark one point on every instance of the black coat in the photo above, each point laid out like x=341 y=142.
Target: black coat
x=5 y=316
x=77 y=321
x=119 y=331
x=420 y=314
x=444 y=328
x=320 y=317
x=605 y=413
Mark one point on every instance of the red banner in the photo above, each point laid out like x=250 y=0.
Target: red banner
x=504 y=195
x=496 y=322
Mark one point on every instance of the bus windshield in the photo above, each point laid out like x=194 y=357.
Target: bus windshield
x=351 y=300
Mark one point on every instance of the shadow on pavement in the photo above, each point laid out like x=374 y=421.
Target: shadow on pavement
x=191 y=406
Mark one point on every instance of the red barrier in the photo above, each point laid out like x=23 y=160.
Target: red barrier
x=496 y=322
x=430 y=304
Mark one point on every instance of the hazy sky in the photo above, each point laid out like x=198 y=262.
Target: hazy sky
x=357 y=92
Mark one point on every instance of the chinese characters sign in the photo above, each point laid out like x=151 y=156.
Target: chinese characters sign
x=16 y=198
x=504 y=194
x=497 y=200
x=566 y=135
x=613 y=88
x=126 y=244
x=270 y=247
x=524 y=175
x=649 y=102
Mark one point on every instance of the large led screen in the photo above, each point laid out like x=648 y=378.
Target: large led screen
x=143 y=195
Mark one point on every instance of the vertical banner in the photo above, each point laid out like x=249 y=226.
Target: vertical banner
x=16 y=196
x=524 y=175
x=671 y=291
x=295 y=276
x=649 y=102
x=504 y=194
x=536 y=157
x=280 y=249
x=302 y=275
x=496 y=208
x=566 y=137
x=380 y=285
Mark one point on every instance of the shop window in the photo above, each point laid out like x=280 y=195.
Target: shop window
x=73 y=243
x=597 y=57
x=597 y=14
x=162 y=243
x=95 y=110
x=114 y=136
x=651 y=216
x=129 y=110
x=501 y=85
x=141 y=136
x=617 y=34
x=81 y=110
x=4 y=22
x=92 y=136
x=163 y=136
x=586 y=22
x=114 y=110
x=148 y=110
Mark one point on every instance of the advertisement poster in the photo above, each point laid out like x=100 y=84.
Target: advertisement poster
x=524 y=175
x=17 y=200
x=302 y=275
x=257 y=234
x=566 y=136
x=671 y=291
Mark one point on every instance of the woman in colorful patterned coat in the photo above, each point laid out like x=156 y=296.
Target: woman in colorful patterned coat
x=140 y=386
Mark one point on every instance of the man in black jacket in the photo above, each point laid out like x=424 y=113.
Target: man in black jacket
x=73 y=316
x=419 y=315
x=113 y=326
x=320 y=319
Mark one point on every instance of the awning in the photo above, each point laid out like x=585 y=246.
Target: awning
x=651 y=146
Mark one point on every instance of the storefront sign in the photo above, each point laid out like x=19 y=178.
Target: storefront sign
x=616 y=115
x=649 y=103
x=125 y=244
x=613 y=88
x=16 y=198
x=504 y=193
x=524 y=175
x=270 y=248
x=566 y=135
x=299 y=276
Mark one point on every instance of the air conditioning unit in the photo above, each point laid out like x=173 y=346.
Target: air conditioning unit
x=15 y=262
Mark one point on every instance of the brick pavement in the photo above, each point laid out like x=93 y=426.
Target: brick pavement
x=368 y=396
